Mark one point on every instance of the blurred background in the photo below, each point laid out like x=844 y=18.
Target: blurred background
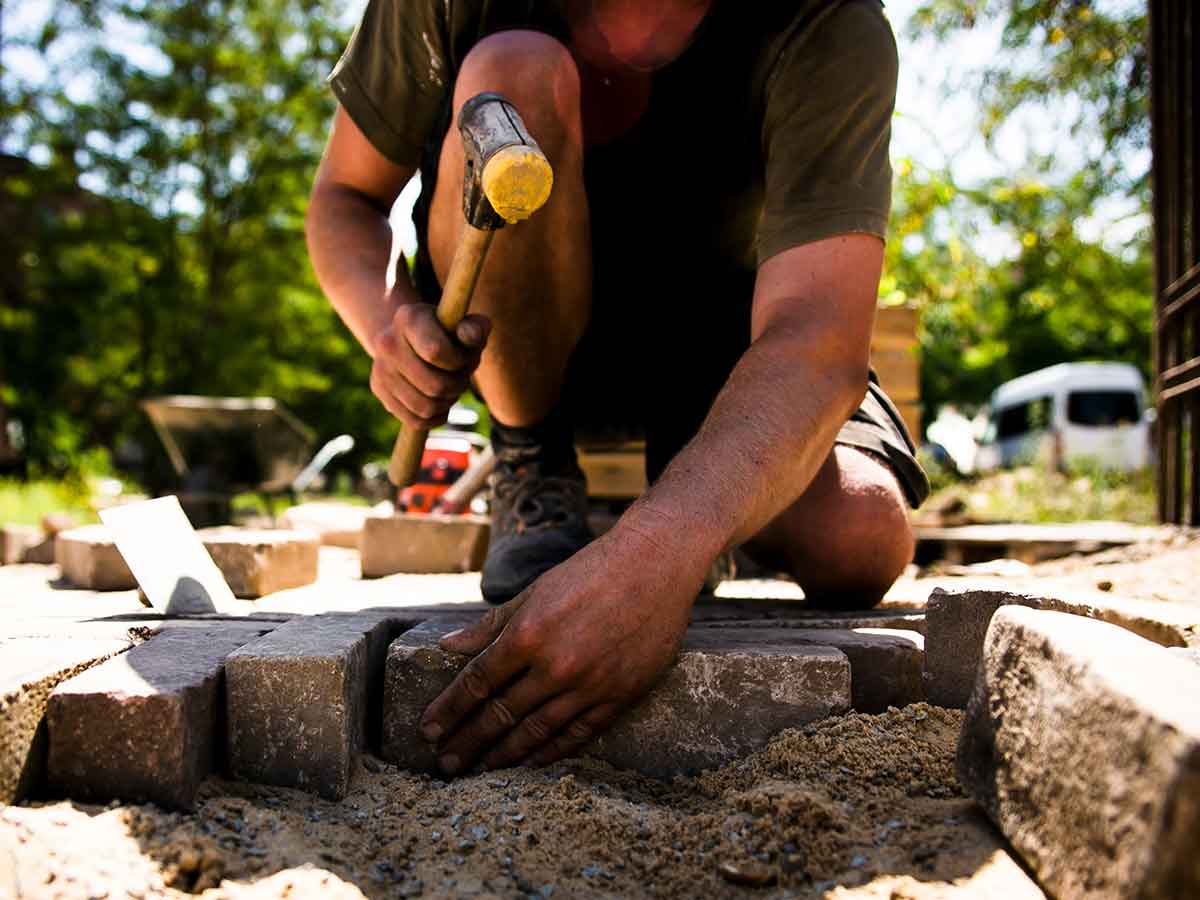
x=155 y=160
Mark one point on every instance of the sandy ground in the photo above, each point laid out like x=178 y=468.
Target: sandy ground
x=861 y=806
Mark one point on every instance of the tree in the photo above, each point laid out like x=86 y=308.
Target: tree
x=1005 y=276
x=189 y=144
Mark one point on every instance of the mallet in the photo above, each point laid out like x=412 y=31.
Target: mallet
x=506 y=178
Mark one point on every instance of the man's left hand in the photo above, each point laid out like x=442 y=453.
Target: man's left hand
x=556 y=665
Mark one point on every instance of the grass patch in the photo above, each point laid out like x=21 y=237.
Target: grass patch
x=1032 y=494
x=25 y=502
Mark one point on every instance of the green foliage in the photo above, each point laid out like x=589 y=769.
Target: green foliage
x=25 y=502
x=159 y=243
x=1082 y=62
x=1006 y=279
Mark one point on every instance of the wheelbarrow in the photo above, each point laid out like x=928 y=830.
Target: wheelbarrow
x=220 y=447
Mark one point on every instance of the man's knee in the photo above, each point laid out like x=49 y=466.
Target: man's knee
x=534 y=71
x=866 y=552
x=849 y=538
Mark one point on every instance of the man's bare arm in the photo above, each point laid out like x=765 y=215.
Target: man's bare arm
x=774 y=422
x=418 y=370
x=556 y=665
x=349 y=239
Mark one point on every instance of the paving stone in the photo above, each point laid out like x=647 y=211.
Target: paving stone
x=885 y=664
x=30 y=668
x=423 y=544
x=722 y=699
x=755 y=613
x=146 y=725
x=956 y=622
x=16 y=541
x=1082 y=743
x=259 y=562
x=303 y=701
x=416 y=672
x=90 y=559
x=56 y=522
x=338 y=524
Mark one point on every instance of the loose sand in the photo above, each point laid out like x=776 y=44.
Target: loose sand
x=860 y=806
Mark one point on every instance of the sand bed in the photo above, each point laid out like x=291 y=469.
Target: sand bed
x=856 y=806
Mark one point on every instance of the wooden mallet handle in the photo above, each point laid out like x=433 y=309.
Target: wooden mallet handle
x=506 y=179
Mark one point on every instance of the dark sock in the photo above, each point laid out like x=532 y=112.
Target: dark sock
x=550 y=441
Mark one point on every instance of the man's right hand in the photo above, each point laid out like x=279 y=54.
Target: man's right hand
x=420 y=369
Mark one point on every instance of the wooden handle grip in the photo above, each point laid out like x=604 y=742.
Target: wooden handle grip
x=456 y=299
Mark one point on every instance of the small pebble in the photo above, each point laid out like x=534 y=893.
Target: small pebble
x=1104 y=585
x=749 y=874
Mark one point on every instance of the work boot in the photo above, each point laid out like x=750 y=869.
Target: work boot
x=539 y=507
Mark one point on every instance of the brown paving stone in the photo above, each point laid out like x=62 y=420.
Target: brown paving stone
x=302 y=702
x=1082 y=743
x=723 y=698
x=90 y=559
x=423 y=544
x=30 y=668
x=257 y=562
x=16 y=541
x=144 y=726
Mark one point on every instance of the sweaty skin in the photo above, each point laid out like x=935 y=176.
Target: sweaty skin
x=556 y=665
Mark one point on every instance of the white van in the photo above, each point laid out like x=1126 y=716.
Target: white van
x=1072 y=412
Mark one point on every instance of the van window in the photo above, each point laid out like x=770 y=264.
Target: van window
x=1014 y=421
x=1099 y=408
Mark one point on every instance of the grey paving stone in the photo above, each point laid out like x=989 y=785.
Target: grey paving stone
x=956 y=622
x=257 y=562
x=30 y=668
x=885 y=664
x=423 y=544
x=416 y=672
x=722 y=699
x=756 y=613
x=303 y=701
x=90 y=559
x=144 y=726
x=1082 y=743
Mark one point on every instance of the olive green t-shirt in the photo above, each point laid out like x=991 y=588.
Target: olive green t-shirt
x=769 y=131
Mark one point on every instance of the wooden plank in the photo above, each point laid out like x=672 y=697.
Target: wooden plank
x=897 y=320
x=614 y=474
x=899 y=373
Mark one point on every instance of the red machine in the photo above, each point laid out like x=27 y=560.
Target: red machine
x=446 y=457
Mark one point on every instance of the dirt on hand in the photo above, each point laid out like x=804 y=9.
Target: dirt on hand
x=852 y=806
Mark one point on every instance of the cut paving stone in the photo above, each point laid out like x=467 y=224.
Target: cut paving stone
x=16 y=541
x=145 y=726
x=30 y=668
x=338 y=524
x=303 y=701
x=885 y=664
x=956 y=622
x=259 y=562
x=722 y=699
x=1082 y=743
x=423 y=544
x=90 y=559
